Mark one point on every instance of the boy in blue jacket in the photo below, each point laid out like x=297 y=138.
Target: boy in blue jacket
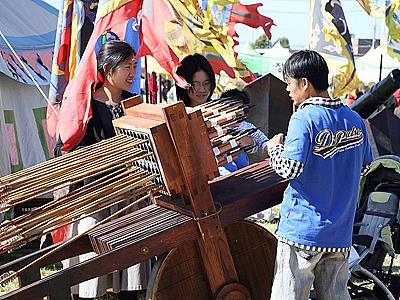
x=323 y=155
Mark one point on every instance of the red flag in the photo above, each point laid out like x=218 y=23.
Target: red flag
x=75 y=110
x=249 y=15
x=218 y=64
x=153 y=87
x=153 y=37
x=154 y=40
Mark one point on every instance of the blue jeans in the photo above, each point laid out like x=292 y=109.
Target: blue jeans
x=296 y=270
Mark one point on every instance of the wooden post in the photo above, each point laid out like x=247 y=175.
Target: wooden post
x=214 y=249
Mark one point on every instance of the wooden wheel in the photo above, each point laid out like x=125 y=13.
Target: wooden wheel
x=180 y=275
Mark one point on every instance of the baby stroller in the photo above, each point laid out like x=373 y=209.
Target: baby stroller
x=376 y=232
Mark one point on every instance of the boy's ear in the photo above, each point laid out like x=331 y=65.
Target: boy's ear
x=306 y=84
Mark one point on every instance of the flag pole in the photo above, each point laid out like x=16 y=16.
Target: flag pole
x=146 y=80
x=28 y=73
x=160 y=88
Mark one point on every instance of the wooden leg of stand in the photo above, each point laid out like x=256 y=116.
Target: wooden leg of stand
x=180 y=274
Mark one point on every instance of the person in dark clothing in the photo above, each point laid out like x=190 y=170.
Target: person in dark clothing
x=116 y=68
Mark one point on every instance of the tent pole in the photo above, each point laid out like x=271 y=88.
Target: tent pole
x=28 y=73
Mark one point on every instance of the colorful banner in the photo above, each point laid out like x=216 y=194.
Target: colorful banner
x=115 y=19
x=329 y=34
x=69 y=43
x=392 y=14
x=173 y=29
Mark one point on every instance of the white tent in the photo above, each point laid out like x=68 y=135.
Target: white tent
x=271 y=61
x=29 y=26
x=368 y=66
x=23 y=135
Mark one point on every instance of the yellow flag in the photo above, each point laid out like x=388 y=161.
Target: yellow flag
x=372 y=9
x=197 y=32
x=330 y=36
x=393 y=24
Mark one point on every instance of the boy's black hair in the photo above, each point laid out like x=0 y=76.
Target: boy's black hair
x=310 y=65
x=190 y=65
x=237 y=94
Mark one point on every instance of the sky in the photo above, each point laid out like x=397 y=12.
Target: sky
x=292 y=20
x=292 y=17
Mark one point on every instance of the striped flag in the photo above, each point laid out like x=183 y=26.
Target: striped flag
x=68 y=45
x=330 y=36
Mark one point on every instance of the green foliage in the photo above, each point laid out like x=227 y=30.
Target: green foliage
x=262 y=42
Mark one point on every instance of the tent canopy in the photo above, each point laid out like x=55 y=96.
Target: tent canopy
x=368 y=66
x=30 y=27
x=271 y=61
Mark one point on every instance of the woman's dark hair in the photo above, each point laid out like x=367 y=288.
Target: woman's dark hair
x=190 y=65
x=113 y=53
x=308 y=64
x=236 y=94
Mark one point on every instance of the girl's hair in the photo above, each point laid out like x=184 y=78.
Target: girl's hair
x=113 y=53
x=190 y=65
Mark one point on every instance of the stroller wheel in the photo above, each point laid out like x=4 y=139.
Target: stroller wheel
x=370 y=288
x=358 y=291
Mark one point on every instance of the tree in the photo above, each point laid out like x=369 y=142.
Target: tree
x=284 y=41
x=262 y=42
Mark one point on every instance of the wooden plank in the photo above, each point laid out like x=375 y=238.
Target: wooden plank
x=127 y=103
x=176 y=204
x=168 y=160
x=135 y=123
x=198 y=129
x=79 y=246
x=214 y=248
x=147 y=111
x=162 y=145
x=247 y=191
x=115 y=260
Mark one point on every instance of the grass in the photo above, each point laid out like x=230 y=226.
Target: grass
x=44 y=272
x=271 y=227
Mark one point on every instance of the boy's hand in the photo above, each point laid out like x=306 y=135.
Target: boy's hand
x=276 y=140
